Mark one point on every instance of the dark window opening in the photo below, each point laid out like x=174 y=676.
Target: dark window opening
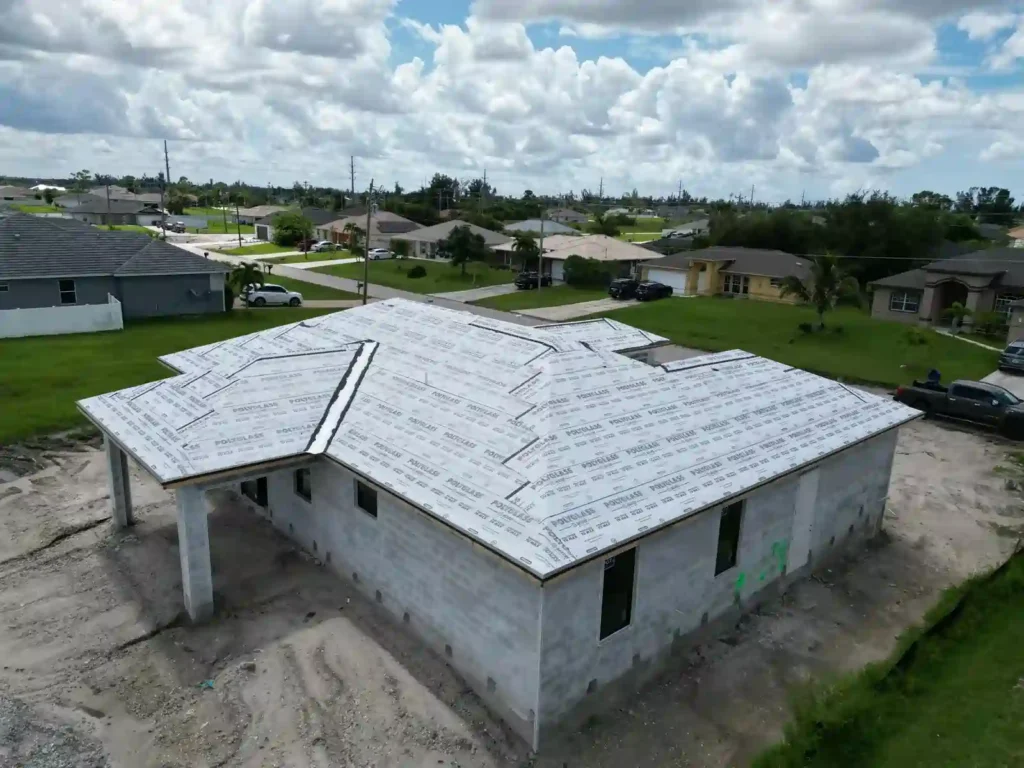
x=304 y=484
x=729 y=537
x=67 y=292
x=3 y=287
x=256 y=490
x=617 y=594
x=366 y=498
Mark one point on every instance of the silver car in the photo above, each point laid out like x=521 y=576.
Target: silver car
x=1012 y=358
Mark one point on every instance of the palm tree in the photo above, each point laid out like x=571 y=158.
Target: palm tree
x=825 y=285
x=354 y=233
x=957 y=313
x=243 y=276
x=526 y=247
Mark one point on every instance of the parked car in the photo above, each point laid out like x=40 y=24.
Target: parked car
x=623 y=288
x=1012 y=358
x=307 y=244
x=975 y=401
x=652 y=291
x=527 y=280
x=172 y=226
x=270 y=294
x=323 y=246
x=376 y=254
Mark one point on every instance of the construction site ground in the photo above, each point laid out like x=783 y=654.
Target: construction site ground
x=100 y=668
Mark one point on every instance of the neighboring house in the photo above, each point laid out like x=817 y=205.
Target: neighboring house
x=250 y=215
x=667 y=245
x=264 y=227
x=749 y=273
x=1016 y=237
x=55 y=263
x=983 y=281
x=384 y=225
x=104 y=212
x=532 y=227
x=423 y=242
x=566 y=216
x=549 y=514
x=673 y=212
x=692 y=229
x=17 y=194
x=623 y=256
x=122 y=194
x=75 y=199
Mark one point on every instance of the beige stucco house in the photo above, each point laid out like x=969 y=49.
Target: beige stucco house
x=983 y=281
x=750 y=273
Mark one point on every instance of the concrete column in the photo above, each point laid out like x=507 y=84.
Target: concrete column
x=973 y=298
x=926 y=308
x=194 y=548
x=118 y=484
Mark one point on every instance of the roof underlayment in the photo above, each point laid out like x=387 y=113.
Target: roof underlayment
x=542 y=443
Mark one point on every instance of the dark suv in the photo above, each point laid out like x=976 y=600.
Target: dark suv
x=527 y=280
x=652 y=291
x=623 y=288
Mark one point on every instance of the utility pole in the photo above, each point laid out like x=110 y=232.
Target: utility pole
x=751 y=197
x=600 y=190
x=483 y=189
x=238 y=224
x=366 y=248
x=109 y=222
x=679 y=196
x=440 y=201
x=540 y=256
x=163 y=210
x=224 y=211
x=167 y=163
x=352 y=174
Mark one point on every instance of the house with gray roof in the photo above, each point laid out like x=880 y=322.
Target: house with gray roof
x=747 y=273
x=423 y=243
x=989 y=280
x=264 y=226
x=102 y=212
x=53 y=264
x=533 y=227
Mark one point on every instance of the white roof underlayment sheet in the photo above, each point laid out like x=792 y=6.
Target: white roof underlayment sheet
x=541 y=443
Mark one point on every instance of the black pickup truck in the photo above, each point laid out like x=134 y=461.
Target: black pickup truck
x=970 y=400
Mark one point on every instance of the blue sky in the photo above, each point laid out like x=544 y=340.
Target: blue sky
x=815 y=97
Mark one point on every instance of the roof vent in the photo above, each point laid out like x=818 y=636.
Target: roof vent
x=17 y=236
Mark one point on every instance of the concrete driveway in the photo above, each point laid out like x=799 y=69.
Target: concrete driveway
x=475 y=294
x=572 y=311
x=1014 y=382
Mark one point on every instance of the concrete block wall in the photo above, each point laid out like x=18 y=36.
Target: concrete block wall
x=476 y=610
x=676 y=589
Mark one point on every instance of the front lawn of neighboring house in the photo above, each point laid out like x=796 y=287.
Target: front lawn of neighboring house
x=644 y=225
x=215 y=226
x=309 y=291
x=298 y=258
x=256 y=250
x=853 y=346
x=957 y=699
x=210 y=212
x=441 y=277
x=40 y=208
x=639 y=237
x=556 y=296
x=45 y=375
x=127 y=228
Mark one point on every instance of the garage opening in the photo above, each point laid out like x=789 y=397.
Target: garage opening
x=256 y=490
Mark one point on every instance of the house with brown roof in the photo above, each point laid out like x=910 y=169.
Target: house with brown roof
x=749 y=273
x=988 y=280
x=384 y=225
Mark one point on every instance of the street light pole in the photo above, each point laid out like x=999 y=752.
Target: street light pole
x=238 y=224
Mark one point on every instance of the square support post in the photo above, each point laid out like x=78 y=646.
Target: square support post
x=194 y=548
x=118 y=484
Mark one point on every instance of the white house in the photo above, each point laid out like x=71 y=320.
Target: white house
x=551 y=514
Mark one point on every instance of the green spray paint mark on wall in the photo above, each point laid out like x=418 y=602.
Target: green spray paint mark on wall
x=780 y=551
x=740 y=581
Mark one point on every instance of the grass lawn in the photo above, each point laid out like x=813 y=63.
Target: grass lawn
x=255 y=250
x=441 y=277
x=639 y=237
x=208 y=212
x=958 y=700
x=46 y=374
x=215 y=226
x=644 y=225
x=127 y=228
x=40 y=208
x=310 y=290
x=865 y=350
x=545 y=297
x=999 y=342
x=301 y=257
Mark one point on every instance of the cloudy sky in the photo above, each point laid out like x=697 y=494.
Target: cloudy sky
x=793 y=96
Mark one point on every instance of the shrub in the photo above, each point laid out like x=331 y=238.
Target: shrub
x=229 y=298
x=838 y=330
x=806 y=327
x=588 y=273
x=990 y=323
x=916 y=337
x=418 y=271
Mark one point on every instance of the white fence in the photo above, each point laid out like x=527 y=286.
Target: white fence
x=50 y=321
